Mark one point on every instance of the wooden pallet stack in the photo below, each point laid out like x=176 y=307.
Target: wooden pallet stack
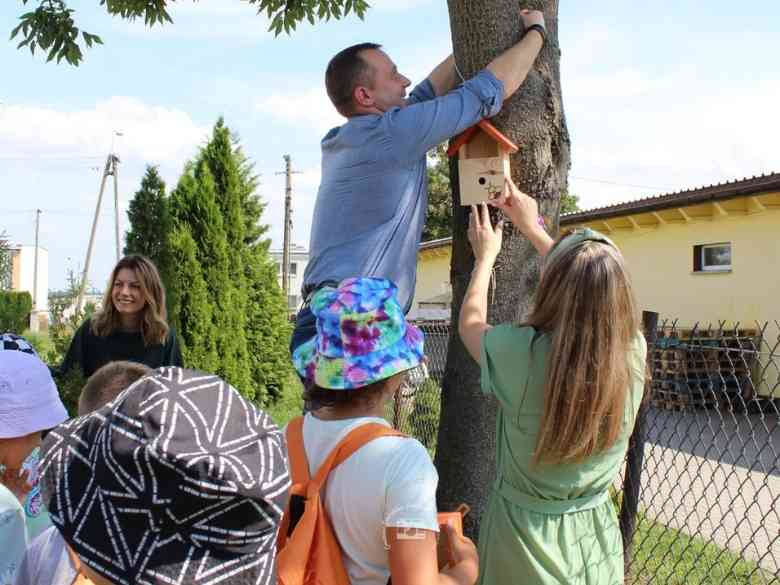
x=702 y=368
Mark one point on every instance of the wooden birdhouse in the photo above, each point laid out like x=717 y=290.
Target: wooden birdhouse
x=483 y=162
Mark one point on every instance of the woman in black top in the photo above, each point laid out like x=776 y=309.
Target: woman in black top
x=131 y=325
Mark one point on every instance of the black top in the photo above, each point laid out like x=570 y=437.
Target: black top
x=92 y=352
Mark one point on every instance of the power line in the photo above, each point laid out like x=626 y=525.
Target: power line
x=51 y=158
x=618 y=184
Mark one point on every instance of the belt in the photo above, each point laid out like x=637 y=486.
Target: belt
x=552 y=507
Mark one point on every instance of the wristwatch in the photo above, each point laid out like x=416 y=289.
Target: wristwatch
x=538 y=27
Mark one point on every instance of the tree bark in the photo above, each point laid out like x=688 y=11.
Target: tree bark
x=534 y=119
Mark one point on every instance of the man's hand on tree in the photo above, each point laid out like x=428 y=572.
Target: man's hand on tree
x=532 y=17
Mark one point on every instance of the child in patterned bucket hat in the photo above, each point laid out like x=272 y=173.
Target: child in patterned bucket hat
x=381 y=500
x=362 y=336
x=179 y=479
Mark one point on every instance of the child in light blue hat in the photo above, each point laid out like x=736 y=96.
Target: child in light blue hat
x=29 y=404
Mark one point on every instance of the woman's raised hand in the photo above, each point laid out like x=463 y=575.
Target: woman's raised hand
x=522 y=210
x=484 y=238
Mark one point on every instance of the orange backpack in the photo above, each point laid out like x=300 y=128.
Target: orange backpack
x=308 y=552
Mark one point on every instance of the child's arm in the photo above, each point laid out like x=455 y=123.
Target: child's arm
x=486 y=244
x=413 y=559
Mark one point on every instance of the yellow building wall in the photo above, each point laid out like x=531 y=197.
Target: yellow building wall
x=433 y=274
x=660 y=260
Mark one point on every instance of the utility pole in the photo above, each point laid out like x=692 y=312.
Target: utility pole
x=116 y=204
x=110 y=169
x=34 y=314
x=288 y=172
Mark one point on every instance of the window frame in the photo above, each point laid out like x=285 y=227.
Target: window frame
x=699 y=258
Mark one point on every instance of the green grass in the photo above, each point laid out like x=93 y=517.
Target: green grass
x=667 y=556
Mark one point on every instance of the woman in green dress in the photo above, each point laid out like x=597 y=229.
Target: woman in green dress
x=569 y=382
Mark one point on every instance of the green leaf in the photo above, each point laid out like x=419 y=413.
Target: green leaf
x=15 y=31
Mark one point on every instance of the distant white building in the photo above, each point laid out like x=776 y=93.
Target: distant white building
x=299 y=258
x=23 y=278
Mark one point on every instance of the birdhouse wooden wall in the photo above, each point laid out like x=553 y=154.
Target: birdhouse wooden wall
x=483 y=165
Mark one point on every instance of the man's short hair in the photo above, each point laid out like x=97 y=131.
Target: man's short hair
x=345 y=71
x=108 y=382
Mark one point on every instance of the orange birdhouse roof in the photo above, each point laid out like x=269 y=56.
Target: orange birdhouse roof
x=488 y=128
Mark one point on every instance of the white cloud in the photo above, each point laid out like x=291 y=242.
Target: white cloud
x=152 y=133
x=309 y=108
x=621 y=83
x=397 y=5
x=225 y=20
x=684 y=133
x=52 y=159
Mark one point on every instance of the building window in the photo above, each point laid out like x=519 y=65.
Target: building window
x=292 y=301
x=712 y=257
x=293 y=269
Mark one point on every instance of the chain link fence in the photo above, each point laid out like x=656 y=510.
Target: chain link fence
x=706 y=451
x=417 y=404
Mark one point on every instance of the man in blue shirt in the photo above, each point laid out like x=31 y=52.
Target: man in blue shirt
x=371 y=204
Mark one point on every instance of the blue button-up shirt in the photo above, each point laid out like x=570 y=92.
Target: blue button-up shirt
x=371 y=204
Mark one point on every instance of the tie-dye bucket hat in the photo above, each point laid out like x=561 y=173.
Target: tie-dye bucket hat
x=362 y=336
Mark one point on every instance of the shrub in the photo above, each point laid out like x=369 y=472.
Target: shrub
x=15 y=310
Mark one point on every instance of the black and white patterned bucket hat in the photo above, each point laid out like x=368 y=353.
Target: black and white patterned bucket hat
x=11 y=341
x=179 y=480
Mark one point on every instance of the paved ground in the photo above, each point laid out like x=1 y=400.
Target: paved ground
x=750 y=441
x=717 y=478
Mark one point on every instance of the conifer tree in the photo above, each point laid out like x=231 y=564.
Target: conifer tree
x=268 y=327
x=223 y=165
x=150 y=221
x=194 y=204
x=208 y=240
x=191 y=308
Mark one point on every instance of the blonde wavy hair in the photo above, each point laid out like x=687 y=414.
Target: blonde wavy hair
x=586 y=303
x=154 y=326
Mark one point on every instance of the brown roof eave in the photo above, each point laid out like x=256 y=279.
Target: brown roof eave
x=743 y=188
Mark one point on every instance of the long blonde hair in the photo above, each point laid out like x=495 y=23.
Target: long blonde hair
x=154 y=326
x=586 y=303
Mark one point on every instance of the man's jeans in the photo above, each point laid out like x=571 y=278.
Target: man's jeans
x=305 y=328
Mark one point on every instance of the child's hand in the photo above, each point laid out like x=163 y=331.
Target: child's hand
x=463 y=554
x=484 y=238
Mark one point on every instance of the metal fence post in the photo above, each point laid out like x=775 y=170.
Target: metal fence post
x=636 y=450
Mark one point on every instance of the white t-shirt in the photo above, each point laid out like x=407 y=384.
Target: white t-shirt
x=389 y=482
x=13 y=535
x=46 y=561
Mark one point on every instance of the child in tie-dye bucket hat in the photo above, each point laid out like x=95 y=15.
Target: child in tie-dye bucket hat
x=381 y=500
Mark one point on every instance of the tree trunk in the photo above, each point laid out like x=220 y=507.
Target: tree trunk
x=534 y=119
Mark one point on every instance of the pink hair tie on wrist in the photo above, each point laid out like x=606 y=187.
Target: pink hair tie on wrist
x=540 y=221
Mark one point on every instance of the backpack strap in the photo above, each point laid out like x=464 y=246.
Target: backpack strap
x=303 y=486
x=354 y=440
x=299 y=466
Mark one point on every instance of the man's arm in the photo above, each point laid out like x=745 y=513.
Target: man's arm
x=425 y=123
x=512 y=66
x=444 y=77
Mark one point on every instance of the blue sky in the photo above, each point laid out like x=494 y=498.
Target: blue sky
x=657 y=100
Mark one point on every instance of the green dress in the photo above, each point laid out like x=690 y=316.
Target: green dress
x=548 y=524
